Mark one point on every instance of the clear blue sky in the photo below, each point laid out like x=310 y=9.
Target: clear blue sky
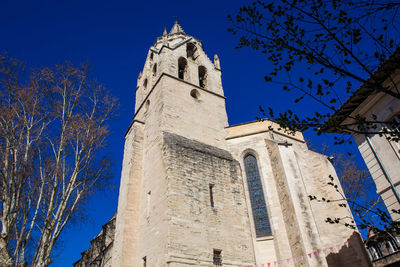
x=114 y=37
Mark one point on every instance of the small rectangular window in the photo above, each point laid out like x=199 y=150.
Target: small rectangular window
x=217 y=257
x=211 y=186
x=144 y=261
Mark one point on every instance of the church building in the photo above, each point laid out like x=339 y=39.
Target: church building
x=196 y=191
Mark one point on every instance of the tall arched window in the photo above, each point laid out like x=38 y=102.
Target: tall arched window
x=257 y=200
x=182 y=68
x=145 y=84
x=202 y=77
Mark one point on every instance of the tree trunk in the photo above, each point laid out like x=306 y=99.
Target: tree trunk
x=5 y=259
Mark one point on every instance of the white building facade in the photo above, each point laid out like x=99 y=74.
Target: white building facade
x=380 y=150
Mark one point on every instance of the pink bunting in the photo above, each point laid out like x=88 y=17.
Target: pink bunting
x=301 y=258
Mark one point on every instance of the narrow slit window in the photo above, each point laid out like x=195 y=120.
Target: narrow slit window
x=217 y=257
x=155 y=69
x=257 y=200
x=144 y=260
x=148 y=204
x=211 y=187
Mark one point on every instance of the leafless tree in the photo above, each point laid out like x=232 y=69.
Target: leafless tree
x=356 y=193
x=358 y=188
x=52 y=130
x=323 y=50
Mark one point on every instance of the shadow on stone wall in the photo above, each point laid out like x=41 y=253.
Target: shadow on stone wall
x=352 y=255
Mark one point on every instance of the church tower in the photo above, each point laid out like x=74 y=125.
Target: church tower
x=181 y=200
x=197 y=192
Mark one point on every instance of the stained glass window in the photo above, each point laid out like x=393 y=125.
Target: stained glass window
x=257 y=200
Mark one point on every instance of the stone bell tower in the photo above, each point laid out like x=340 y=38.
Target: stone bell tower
x=181 y=200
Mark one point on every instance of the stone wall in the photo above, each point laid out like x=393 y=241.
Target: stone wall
x=290 y=173
x=127 y=219
x=100 y=252
x=196 y=227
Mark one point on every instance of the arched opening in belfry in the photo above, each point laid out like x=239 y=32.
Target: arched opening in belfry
x=202 y=77
x=151 y=55
x=155 y=69
x=191 y=50
x=182 y=68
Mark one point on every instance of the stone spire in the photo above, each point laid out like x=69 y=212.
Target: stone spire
x=165 y=32
x=176 y=28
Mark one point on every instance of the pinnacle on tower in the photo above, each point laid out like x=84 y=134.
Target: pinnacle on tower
x=165 y=32
x=176 y=28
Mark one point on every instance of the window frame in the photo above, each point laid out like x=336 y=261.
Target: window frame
x=261 y=190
